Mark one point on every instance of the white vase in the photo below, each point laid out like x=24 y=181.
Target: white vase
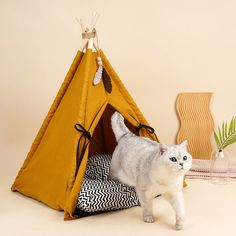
x=219 y=168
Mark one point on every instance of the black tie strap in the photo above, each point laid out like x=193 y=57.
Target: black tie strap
x=84 y=132
x=87 y=135
x=148 y=128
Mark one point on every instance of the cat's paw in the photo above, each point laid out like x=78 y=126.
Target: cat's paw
x=178 y=226
x=148 y=219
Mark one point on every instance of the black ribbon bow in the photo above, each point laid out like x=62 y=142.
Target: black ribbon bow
x=148 y=128
x=87 y=135
x=84 y=132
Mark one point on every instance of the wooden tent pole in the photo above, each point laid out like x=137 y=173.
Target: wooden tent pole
x=84 y=29
x=94 y=20
x=88 y=42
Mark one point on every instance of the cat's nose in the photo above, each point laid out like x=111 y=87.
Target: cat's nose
x=182 y=164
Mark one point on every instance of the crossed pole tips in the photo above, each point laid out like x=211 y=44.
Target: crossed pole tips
x=89 y=33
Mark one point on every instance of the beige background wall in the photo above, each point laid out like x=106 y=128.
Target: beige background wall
x=158 y=47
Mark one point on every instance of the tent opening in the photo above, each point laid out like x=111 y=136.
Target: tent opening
x=99 y=194
x=103 y=140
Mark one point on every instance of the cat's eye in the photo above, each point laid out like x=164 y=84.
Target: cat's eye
x=185 y=158
x=173 y=159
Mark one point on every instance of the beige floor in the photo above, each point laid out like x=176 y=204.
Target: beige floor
x=211 y=210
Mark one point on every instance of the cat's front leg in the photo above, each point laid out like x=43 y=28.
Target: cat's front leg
x=146 y=204
x=177 y=202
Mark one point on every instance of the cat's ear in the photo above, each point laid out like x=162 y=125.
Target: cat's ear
x=163 y=148
x=184 y=144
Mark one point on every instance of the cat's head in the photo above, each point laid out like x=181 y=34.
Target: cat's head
x=176 y=158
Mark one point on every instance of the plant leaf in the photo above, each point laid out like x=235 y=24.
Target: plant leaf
x=223 y=130
x=226 y=135
x=229 y=141
x=233 y=123
x=226 y=130
x=220 y=136
x=217 y=140
x=231 y=126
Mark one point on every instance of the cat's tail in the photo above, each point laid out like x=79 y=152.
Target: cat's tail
x=118 y=126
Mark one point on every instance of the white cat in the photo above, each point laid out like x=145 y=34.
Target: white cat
x=152 y=168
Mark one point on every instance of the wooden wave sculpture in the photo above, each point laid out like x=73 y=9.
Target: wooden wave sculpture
x=196 y=123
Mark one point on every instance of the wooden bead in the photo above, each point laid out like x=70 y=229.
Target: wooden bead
x=100 y=63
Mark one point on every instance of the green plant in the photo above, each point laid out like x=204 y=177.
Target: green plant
x=226 y=135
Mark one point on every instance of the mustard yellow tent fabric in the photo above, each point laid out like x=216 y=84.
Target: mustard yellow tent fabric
x=49 y=173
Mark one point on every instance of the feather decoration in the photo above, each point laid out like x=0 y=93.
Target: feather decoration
x=98 y=76
x=226 y=135
x=106 y=81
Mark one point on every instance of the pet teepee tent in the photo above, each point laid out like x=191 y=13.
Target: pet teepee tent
x=76 y=126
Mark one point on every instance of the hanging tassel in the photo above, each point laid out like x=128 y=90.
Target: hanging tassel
x=98 y=75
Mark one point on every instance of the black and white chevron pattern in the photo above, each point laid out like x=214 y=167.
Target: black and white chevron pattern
x=98 y=167
x=100 y=194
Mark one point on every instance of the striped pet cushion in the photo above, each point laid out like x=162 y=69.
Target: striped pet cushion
x=100 y=194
